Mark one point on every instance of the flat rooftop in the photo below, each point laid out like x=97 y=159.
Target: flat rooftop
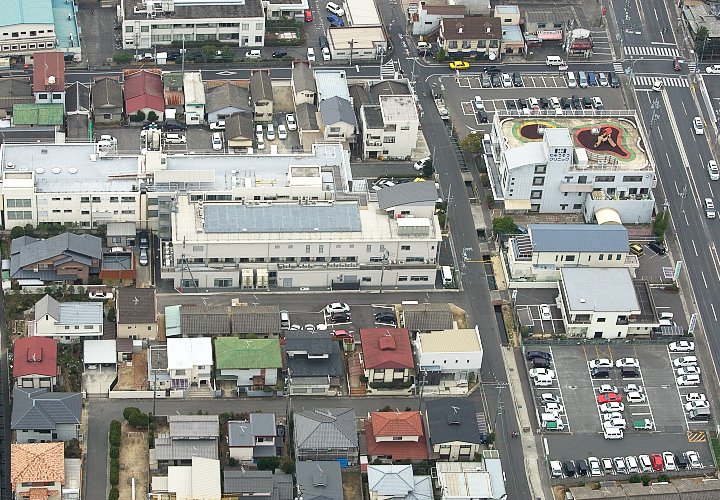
x=199 y=9
x=610 y=138
x=608 y=289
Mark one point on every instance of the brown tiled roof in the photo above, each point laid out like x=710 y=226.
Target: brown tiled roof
x=445 y=9
x=473 y=28
x=396 y=423
x=397 y=450
x=37 y=462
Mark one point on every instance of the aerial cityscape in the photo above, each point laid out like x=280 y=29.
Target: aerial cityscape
x=359 y=249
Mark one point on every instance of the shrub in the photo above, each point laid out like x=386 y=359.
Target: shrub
x=634 y=479
x=114 y=493
x=663 y=478
x=140 y=115
x=233 y=462
x=114 y=452
x=72 y=449
x=114 y=436
x=645 y=479
x=122 y=58
x=139 y=420
x=504 y=225
x=129 y=411
x=152 y=116
x=114 y=476
x=16 y=232
x=268 y=463
x=287 y=465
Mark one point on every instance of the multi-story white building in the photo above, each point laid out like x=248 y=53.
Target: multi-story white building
x=190 y=362
x=589 y=164
x=148 y=23
x=28 y=26
x=390 y=129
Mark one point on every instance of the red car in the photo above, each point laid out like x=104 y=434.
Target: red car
x=308 y=16
x=676 y=64
x=342 y=334
x=610 y=397
x=657 y=462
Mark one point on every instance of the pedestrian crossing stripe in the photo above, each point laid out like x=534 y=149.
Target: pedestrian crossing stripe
x=387 y=70
x=618 y=67
x=697 y=437
x=692 y=66
x=652 y=51
x=647 y=81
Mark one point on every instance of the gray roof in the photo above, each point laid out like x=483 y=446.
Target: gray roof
x=373 y=116
x=15 y=87
x=601 y=289
x=194 y=426
x=243 y=434
x=306 y=115
x=47 y=306
x=81 y=313
x=452 y=419
x=167 y=448
x=136 y=305
x=249 y=484
x=325 y=429
x=39 y=409
x=239 y=126
x=121 y=229
x=202 y=10
x=398 y=482
x=257 y=319
x=319 y=480
x=81 y=248
x=336 y=109
x=77 y=98
x=387 y=87
x=317 y=344
x=117 y=261
x=227 y=95
x=261 y=86
x=282 y=218
x=303 y=79
x=427 y=317
x=359 y=96
x=107 y=93
x=608 y=238
x=204 y=320
x=408 y=193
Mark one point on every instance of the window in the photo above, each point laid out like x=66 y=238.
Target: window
x=113 y=199
x=569 y=258
x=245 y=26
x=144 y=29
x=389 y=139
x=18 y=203
x=19 y=214
x=540 y=169
x=402 y=278
x=577 y=206
x=307 y=248
x=418 y=278
x=618 y=257
x=601 y=320
x=632 y=178
x=366 y=279
x=321 y=248
x=57 y=96
x=404 y=247
x=223 y=282
x=259 y=26
x=85 y=212
x=368 y=248
x=605 y=178
x=96 y=199
x=128 y=29
x=538 y=181
x=600 y=257
x=198 y=248
x=535 y=195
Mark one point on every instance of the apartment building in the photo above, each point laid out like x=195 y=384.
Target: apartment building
x=148 y=23
x=29 y=26
x=478 y=37
x=390 y=129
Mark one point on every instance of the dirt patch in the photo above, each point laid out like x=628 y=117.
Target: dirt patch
x=135 y=377
x=352 y=484
x=558 y=492
x=458 y=316
x=133 y=463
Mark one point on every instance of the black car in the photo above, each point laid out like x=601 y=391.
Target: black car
x=517 y=79
x=522 y=103
x=323 y=42
x=511 y=104
x=629 y=372
x=540 y=363
x=492 y=69
x=496 y=80
x=173 y=56
x=340 y=317
x=144 y=241
x=587 y=102
x=565 y=103
x=613 y=80
x=600 y=373
x=385 y=317
x=544 y=103
x=681 y=461
x=576 y=102
x=538 y=354
x=657 y=247
x=279 y=54
x=582 y=467
x=569 y=468
x=174 y=126
x=482 y=116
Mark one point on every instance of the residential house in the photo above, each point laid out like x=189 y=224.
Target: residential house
x=35 y=363
x=144 y=93
x=107 y=101
x=302 y=82
x=545 y=26
x=255 y=438
x=477 y=480
x=326 y=434
x=450 y=358
x=513 y=41
x=240 y=130
x=190 y=362
x=118 y=267
x=200 y=480
x=261 y=92
x=49 y=77
x=251 y=364
x=225 y=100
x=136 y=313
x=478 y=37
x=158 y=373
x=100 y=366
x=454 y=429
x=204 y=321
x=255 y=320
x=15 y=91
x=309 y=131
x=39 y=415
x=387 y=358
x=194 y=98
x=605 y=303
x=408 y=200
x=188 y=436
x=427 y=317
x=67 y=257
x=396 y=435
x=390 y=129
x=426 y=22
x=37 y=470
x=397 y=482
x=246 y=484
x=338 y=120
x=314 y=363
x=539 y=255
x=173 y=91
x=120 y=234
x=319 y=480
x=45 y=115
x=66 y=321
x=77 y=109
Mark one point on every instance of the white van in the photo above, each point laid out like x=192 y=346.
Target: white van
x=447 y=275
x=667 y=315
x=335 y=9
x=713 y=170
x=582 y=79
x=284 y=320
x=572 y=81
x=554 y=61
x=543 y=381
x=175 y=139
x=613 y=433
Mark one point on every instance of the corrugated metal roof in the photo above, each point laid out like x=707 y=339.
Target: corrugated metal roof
x=193 y=87
x=81 y=313
x=427 y=317
x=38 y=114
x=408 y=193
x=331 y=83
x=610 y=238
x=255 y=319
x=282 y=218
x=172 y=321
x=204 y=320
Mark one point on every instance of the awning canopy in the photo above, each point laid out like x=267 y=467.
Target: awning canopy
x=517 y=205
x=607 y=216
x=549 y=35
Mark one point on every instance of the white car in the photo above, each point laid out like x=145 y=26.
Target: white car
x=715 y=68
x=545 y=314
x=698 y=126
x=645 y=463
x=635 y=397
x=309 y=327
x=611 y=407
x=382 y=184
x=556 y=468
x=607 y=388
x=533 y=103
x=693 y=459
x=282 y=132
x=612 y=416
x=420 y=164
x=597 y=103
x=100 y=295
x=633 y=388
x=108 y=138
x=326 y=54
x=694 y=405
x=615 y=423
x=541 y=372
x=688 y=380
x=270 y=132
x=682 y=346
x=218 y=125
x=310 y=54
x=695 y=396
x=687 y=370
x=507 y=80
x=554 y=103
x=259 y=134
x=478 y=103
x=657 y=85
x=601 y=363
x=619 y=463
x=217 y=142
x=669 y=460
x=548 y=397
x=554 y=407
x=335 y=9
x=685 y=361
x=602 y=79
x=253 y=54
x=594 y=466
x=627 y=363
x=337 y=307
x=290 y=119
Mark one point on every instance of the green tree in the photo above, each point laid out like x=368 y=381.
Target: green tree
x=268 y=463
x=122 y=58
x=287 y=465
x=440 y=55
x=228 y=54
x=72 y=449
x=428 y=168
x=114 y=493
x=387 y=408
x=233 y=462
x=702 y=36
x=111 y=314
x=660 y=224
x=114 y=436
x=152 y=116
x=140 y=115
x=663 y=478
x=471 y=143
x=208 y=52
x=16 y=232
x=634 y=479
x=504 y=225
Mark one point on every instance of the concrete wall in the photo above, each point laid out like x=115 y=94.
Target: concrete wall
x=63 y=432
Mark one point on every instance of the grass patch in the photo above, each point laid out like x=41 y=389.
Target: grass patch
x=715 y=443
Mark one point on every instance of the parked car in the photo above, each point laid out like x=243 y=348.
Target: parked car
x=308 y=16
x=693 y=459
x=548 y=397
x=619 y=463
x=657 y=247
x=607 y=389
x=607 y=465
x=100 y=295
x=385 y=317
x=420 y=164
x=310 y=54
x=614 y=80
x=545 y=313
x=687 y=370
x=282 y=132
x=685 y=361
x=611 y=407
x=627 y=363
x=669 y=460
x=143 y=240
x=657 y=462
x=597 y=103
x=538 y=354
x=279 y=54
x=695 y=396
x=682 y=346
x=143 y=257
x=688 y=380
x=458 y=65
x=291 y=123
x=594 y=466
x=173 y=126
x=600 y=363
x=609 y=397
x=517 y=79
x=218 y=125
x=496 y=80
x=253 y=54
x=602 y=79
x=541 y=372
x=337 y=307
x=634 y=397
x=335 y=21
x=217 y=142
x=485 y=81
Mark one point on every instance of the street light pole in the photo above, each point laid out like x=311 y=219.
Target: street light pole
x=352 y=43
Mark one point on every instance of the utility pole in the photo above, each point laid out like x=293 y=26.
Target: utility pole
x=352 y=43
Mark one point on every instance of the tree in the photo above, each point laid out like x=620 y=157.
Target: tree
x=387 y=408
x=136 y=418
x=72 y=449
x=111 y=314
x=16 y=232
x=471 y=143
x=440 y=55
x=114 y=493
x=228 y=54
x=233 y=462
x=122 y=58
x=208 y=52
x=287 y=465
x=702 y=36
x=152 y=116
x=504 y=225
x=268 y=463
x=660 y=224
x=428 y=168
x=140 y=115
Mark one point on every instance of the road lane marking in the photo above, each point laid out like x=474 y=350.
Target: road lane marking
x=703 y=277
x=713 y=311
x=695 y=248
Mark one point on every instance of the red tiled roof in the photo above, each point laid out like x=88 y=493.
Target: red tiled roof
x=48 y=71
x=397 y=450
x=396 y=423
x=386 y=348
x=144 y=90
x=35 y=356
x=37 y=463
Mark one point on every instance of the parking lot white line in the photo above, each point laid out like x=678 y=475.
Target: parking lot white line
x=562 y=399
x=677 y=387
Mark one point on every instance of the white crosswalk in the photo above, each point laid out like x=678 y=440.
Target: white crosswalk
x=387 y=70
x=647 y=81
x=618 y=67
x=692 y=66
x=652 y=51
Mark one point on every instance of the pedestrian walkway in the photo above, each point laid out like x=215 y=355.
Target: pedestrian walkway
x=652 y=51
x=692 y=66
x=387 y=70
x=668 y=81
x=618 y=67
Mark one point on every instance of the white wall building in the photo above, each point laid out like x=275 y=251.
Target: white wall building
x=276 y=9
x=148 y=23
x=390 y=129
x=449 y=356
x=361 y=43
x=362 y=13
x=190 y=362
x=68 y=321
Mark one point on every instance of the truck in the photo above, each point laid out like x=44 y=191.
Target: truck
x=643 y=424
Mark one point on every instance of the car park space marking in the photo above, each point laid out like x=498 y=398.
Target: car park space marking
x=677 y=387
x=559 y=388
x=697 y=437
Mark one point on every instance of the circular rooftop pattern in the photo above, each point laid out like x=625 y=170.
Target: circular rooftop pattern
x=56 y=170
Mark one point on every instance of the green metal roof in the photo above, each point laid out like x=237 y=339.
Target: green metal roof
x=233 y=352
x=38 y=114
x=26 y=12
x=172 y=321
